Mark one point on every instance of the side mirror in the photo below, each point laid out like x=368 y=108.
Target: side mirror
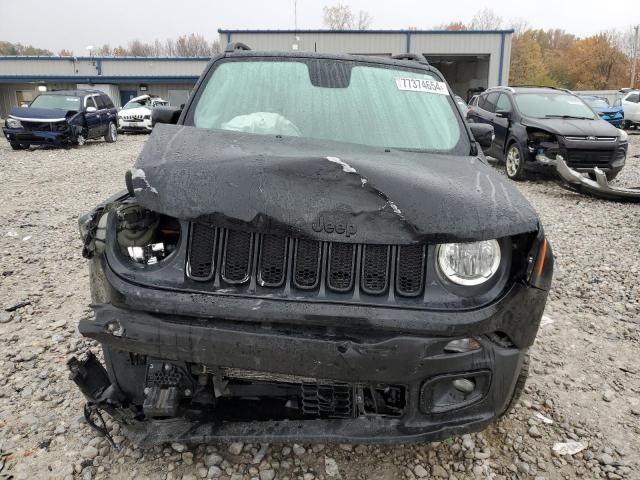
x=91 y=110
x=165 y=115
x=503 y=114
x=483 y=133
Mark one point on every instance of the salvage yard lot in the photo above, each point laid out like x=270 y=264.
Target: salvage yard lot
x=584 y=384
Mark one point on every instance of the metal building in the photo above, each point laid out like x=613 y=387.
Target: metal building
x=468 y=58
x=23 y=77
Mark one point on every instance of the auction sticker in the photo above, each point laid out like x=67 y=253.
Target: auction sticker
x=422 y=85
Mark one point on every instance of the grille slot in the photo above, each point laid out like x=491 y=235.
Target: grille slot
x=342 y=258
x=375 y=268
x=236 y=263
x=327 y=401
x=590 y=158
x=201 y=252
x=306 y=268
x=410 y=270
x=273 y=261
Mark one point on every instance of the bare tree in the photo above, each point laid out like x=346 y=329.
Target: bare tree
x=337 y=17
x=364 y=20
x=519 y=25
x=216 y=48
x=486 y=19
x=104 y=51
x=65 y=53
x=170 y=47
x=192 y=46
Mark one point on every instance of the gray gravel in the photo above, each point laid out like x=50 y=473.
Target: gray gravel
x=583 y=394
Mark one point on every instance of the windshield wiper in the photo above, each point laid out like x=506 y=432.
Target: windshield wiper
x=570 y=117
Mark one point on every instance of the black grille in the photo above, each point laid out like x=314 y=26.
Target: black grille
x=375 y=268
x=307 y=264
x=270 y=261
x=238 y=249
x=201 y=263
x=327 y=401
x=590 y=158
x=273 y=261
x=342 y=258
x=410 y=270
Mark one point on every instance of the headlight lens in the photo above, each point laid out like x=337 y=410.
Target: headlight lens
x=469 y=263
x=13 y=123
x=624 y=136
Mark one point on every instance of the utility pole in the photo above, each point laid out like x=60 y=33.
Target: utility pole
x=634 y=58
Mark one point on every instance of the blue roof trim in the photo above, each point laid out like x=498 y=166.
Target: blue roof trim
x=110 y=59
x=96 y=79
x=446 y=32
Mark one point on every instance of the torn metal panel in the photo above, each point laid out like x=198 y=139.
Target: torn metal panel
x=599 y=187
x=284 y=184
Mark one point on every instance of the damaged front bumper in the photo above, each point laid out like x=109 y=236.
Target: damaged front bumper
x=598 y=188
x=370 y=384
x=35 y=137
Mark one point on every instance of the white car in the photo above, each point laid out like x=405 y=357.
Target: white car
x=135 y=116
x=631 y=106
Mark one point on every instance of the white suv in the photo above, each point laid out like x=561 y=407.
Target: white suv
x=631 y=106
x=135 y=116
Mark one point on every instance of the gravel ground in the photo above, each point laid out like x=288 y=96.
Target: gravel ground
x=584 y=386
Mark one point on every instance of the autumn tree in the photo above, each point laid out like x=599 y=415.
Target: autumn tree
x=340 y=17
x=596 y=63
x=8 y=48
x=456 y=25
x=527 y=62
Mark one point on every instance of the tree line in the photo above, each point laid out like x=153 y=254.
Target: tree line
x=552 y=57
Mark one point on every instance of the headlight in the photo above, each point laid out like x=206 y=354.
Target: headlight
x=469 y=263
x=624 y=136
x=13 y=123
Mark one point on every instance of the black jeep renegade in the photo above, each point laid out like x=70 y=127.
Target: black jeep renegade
x=315 y=249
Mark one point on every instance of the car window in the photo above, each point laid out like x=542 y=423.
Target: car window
x=345 y=102
x=552 y=105
x=488 y=101
x=100 y=102
x=132 y=104
x=90 y=103
x=503 y=104
x=634 y=97
x=61 y=102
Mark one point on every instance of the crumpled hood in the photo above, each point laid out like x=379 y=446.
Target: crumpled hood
x=567 y=127
x=305 y=187
x=39 y=113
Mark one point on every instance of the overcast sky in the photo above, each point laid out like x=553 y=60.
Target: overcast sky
x=76 y=24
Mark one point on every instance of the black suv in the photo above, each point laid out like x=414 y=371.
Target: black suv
x=534 y=124
x=317 y=251
x=62 y=117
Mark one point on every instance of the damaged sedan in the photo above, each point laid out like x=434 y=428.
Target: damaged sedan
x=313 y=249
x=62 y=118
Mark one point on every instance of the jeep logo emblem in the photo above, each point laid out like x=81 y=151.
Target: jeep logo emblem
x=341 y=228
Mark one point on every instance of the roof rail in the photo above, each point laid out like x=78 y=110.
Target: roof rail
x=416 y=57
x=540 y=86
x=500 y=86
x=236 y=46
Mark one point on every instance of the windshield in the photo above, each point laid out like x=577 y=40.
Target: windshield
x=61 y=102
x=130 y=105
x=594 y=102
x=344 y=102
x=552 y=105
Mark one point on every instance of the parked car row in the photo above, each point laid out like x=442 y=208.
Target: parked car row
x=71 y=117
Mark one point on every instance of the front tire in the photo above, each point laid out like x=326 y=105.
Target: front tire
x=112 y=133
x=514 y=162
